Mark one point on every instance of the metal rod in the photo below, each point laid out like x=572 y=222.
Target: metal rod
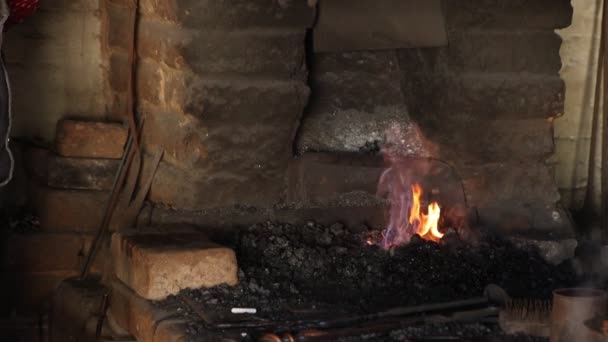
x=103 y=308
x=118 y=178
x=406 y=311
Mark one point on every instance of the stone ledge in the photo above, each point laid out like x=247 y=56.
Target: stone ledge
x=156 y=265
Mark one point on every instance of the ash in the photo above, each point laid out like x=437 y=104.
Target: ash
x=286 y=267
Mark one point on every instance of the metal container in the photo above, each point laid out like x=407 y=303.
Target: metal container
x=571 y=309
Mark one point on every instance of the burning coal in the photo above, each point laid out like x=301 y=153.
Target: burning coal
x=407 y=216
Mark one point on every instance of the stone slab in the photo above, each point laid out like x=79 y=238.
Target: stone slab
x=82 y=173
x=156 y=265
x=90 y=139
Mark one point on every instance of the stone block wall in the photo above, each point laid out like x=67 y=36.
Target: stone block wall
x=222 y=86
x=487 y=101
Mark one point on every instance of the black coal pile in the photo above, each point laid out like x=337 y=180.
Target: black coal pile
x=333 y=265
x=286 y=268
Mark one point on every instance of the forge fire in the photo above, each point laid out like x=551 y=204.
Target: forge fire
x=412 y=220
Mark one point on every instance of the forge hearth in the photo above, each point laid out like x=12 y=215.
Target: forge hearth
x=299 y=278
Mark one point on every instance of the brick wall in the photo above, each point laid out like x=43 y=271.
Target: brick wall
x=221 y=88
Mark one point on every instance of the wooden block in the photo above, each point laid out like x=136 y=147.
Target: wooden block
x=81 y=173
x=90 y=139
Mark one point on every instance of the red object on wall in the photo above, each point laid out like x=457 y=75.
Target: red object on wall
x=21 y=9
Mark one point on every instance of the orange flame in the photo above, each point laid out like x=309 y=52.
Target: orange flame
x=425 y=225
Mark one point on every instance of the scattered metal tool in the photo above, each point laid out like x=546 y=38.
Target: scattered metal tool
x=493 y=295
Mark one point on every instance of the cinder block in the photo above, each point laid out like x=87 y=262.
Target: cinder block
x=156 y=265
x=82 y=173
x=90 y=139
